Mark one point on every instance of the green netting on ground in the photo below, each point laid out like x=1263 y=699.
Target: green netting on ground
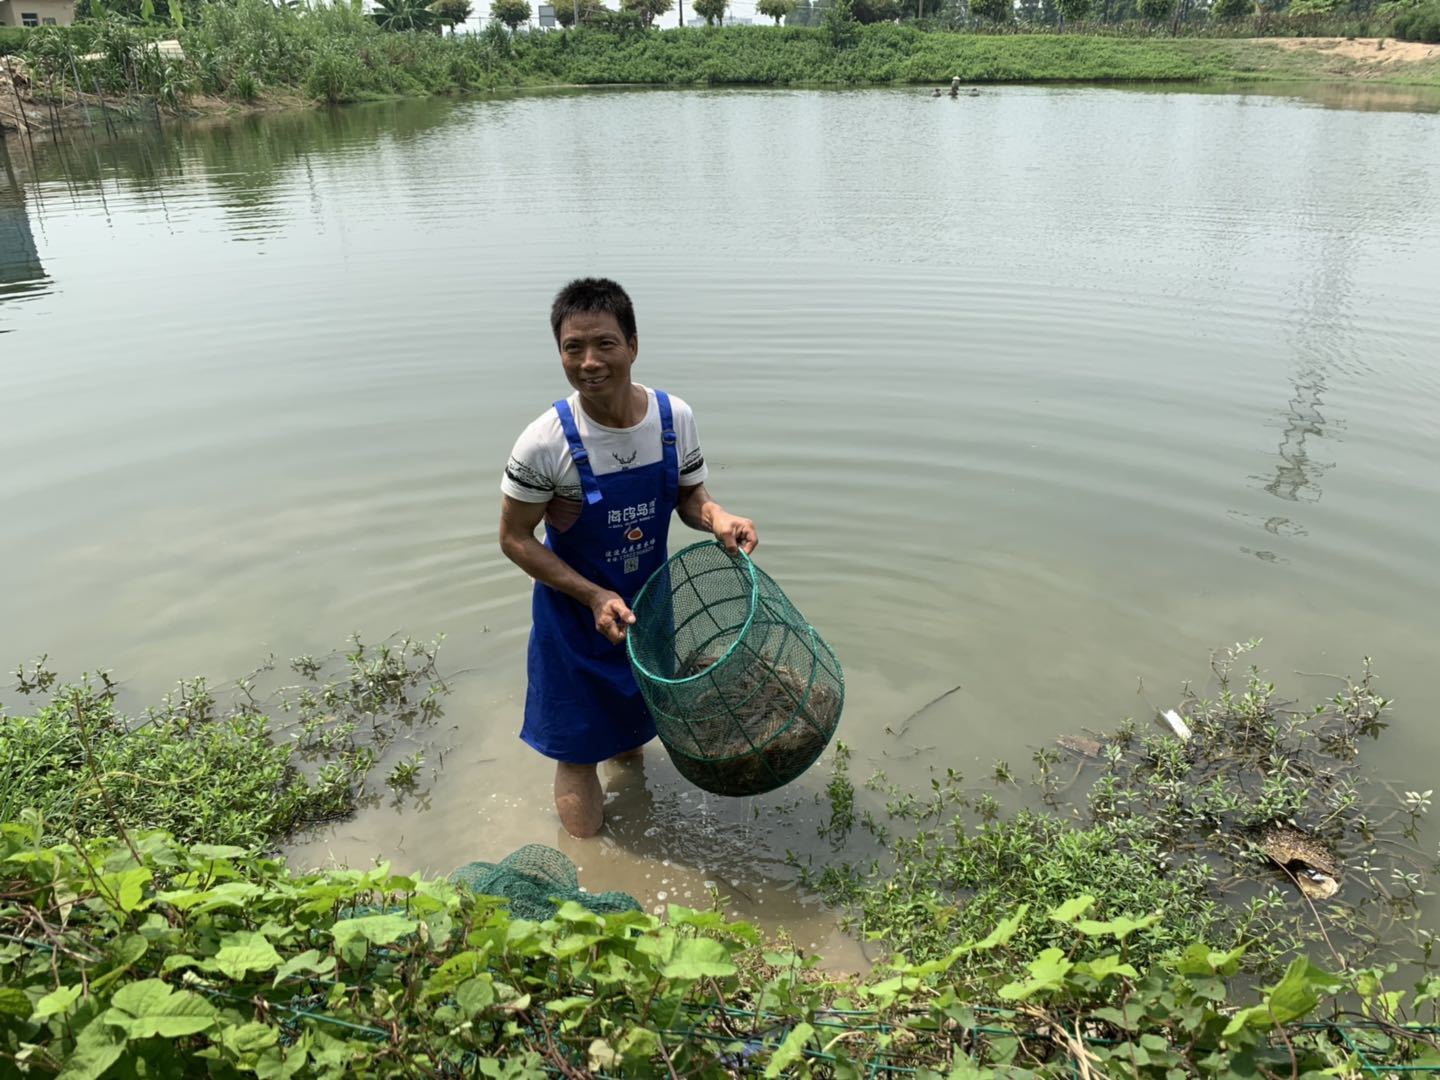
x=535 y=879
x=745 y=694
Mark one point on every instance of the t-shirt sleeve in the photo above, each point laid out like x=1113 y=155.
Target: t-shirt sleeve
x=693 y=469
x=530 y=473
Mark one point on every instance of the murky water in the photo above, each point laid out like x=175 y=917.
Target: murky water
x=1045 y=393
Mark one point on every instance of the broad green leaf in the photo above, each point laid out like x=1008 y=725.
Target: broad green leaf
x=476 y=994
x=1295 y=994
x=127 y=887
x=1105 y=966
x=1002 y=933
x=602 y=1055
x=568 y=1004
x=1047 y=972
x=376 y=929
x=14 y=1002
x=56 y=1003
x=127 y=950
x=97 y=1048
x=660 y=946
x=1071 y=910
x=1127 y=1017
x=791 y=1051
x=249 y=1038
x=1120 y=927
x=309 y=961
x=227 y=894
x=279 y=1064
x=572 y=911
x=242 y=953
x=455 y=971
x=698 y=958
x=216 y=851
x=965 y=1069
x=1256 y=1016
x=638 y=1044
x=150 y=1007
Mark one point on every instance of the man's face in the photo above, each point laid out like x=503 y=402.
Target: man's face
x=596 y=356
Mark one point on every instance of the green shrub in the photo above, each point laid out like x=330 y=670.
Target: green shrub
x=13 y=40
x=1419 y=24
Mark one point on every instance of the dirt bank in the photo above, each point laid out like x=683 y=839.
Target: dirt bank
x=1365 y=58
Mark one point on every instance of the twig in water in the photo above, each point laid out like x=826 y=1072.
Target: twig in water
x=909 y=719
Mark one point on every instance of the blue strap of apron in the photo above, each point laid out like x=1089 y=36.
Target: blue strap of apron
x=667 y=447
x=578 y=453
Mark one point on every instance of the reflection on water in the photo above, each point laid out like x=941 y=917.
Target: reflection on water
x=1009 y=389
x=21 y=273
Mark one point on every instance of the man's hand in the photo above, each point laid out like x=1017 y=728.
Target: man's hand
x=612 y=617
x=736 y=533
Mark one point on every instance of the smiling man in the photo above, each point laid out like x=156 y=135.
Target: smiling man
x=603 y=469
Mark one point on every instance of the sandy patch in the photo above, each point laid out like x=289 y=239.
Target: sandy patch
x=1365 y=50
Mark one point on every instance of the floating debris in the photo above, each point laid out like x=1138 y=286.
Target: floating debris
x=1083 y=745
x=1176 y=724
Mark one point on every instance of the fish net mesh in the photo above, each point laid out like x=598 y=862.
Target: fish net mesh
x=536 y=879
x=744 y=693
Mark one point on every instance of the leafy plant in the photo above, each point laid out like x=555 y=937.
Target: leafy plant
x=248 y=772
x=144 y=956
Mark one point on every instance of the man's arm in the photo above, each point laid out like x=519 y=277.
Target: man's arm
x=518 y=521
x=698 y=510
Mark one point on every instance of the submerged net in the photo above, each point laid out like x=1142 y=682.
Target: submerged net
x=536 y=879
x=745 y=694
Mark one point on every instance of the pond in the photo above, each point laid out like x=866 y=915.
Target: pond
x=1044 y=394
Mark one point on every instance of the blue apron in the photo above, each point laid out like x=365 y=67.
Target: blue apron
x=582 y=705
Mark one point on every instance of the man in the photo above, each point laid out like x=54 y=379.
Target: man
x=603 y=469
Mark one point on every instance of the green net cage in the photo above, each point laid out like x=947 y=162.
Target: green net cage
x=745 y=694
x=536 y=879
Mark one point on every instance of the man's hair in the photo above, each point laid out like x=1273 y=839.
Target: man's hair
x=589 y=296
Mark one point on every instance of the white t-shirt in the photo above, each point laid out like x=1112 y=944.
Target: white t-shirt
x=541 y=468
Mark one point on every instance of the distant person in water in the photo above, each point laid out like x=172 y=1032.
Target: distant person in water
x=604 y=469
x=955 y=87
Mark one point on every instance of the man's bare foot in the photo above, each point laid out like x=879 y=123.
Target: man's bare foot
x=578 y=799
x=629 y=756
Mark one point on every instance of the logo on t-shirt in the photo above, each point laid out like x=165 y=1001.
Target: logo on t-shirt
x=625 y=462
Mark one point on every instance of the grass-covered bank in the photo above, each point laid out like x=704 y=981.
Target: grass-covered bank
x=253 y=54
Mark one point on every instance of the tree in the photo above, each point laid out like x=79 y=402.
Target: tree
x=1156 y=11
x=801 y=16
x=451 y=12
x=648 y=10
x=1072 y=10
x=995 y=11
x=712 y=11
x=875 y=11
x=839 y=24
x=511 y=12
x=403 y=15
x=1229 y=10
x=775 y=9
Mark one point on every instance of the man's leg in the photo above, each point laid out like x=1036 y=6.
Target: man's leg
x=578 y=799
